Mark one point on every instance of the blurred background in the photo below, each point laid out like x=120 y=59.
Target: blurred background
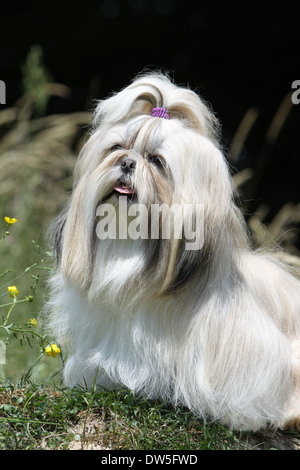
x=57 y=58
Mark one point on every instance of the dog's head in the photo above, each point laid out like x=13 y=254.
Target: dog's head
x=146 y=159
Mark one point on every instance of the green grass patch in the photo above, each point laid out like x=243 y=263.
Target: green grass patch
x=40 y=417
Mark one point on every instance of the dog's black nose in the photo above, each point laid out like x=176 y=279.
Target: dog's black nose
x=128 y=165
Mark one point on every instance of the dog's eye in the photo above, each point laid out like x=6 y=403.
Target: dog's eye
x=156 y=160
x=116 y=147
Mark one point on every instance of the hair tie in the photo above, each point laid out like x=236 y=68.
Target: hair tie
x=160 y=112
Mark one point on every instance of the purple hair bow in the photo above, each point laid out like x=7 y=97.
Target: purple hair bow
x=160 y=112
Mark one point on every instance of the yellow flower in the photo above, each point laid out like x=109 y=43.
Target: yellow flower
x=10 y=221
x=52 y=350
x=33 y=321
x=13 y=291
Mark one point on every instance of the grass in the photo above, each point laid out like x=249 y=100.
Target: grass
x=43 y=417
x=39 y=417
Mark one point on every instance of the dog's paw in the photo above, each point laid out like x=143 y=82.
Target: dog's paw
x=291 y=423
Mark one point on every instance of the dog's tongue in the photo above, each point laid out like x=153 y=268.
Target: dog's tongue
x=123 y=190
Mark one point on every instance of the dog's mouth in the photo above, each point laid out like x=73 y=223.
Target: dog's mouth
x=122 y=188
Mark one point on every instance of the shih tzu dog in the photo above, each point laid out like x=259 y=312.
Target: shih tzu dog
x=156 y=288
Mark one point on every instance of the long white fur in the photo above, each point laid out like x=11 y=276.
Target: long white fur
x=226 y=343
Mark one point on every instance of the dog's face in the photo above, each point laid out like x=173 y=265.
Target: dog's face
x=136 y=163
x=148 y=161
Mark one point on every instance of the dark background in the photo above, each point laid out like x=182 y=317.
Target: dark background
x=237 y=55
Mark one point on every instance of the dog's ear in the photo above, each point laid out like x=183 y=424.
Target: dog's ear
x=75 y=237
x=184 y=256
x=212 y=218
x=188 y=267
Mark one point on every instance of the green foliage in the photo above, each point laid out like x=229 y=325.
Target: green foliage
x=36 y=79
x=37 y=156
x=35 y=417
x=129 y=423
x=25 y=332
